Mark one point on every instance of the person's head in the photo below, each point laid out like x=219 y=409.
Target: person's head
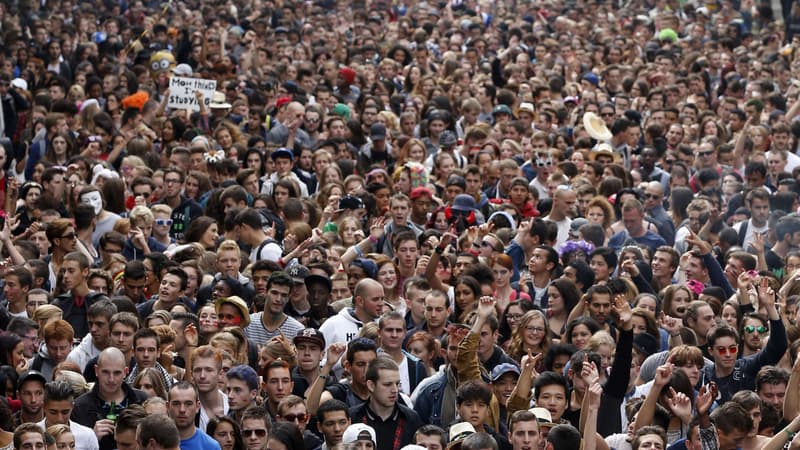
x=158 y=432
x=700 y=318
x=771 y=385
x=285 y=436
x=125 y=427
x=333 y=418
x=29 y=436
x=151 y=382
x=206 y=368
x=18 y=281
x=383 y=382
x=598 y=302
x=183 y=404
x=58 y=397
x=431 y=437
x=551 y=392
x=472 y=402
x=75 y=268
x=58 y=336
x=523 y=430
x=733 y=423
x=255 y=428
x=277 y=377
x=479 y=441
x=243 y=387
x=649 y=437
x=563 y=437
x=111 y=369
x=368 y=298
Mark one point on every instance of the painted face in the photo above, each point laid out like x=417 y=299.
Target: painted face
x=94 y=199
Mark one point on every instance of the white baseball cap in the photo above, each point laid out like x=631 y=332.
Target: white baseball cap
x=359 y=432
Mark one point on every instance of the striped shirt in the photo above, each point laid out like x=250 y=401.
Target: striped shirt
x=257 y=334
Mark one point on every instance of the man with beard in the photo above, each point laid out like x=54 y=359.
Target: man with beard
x=30 y=392
x=754 y=330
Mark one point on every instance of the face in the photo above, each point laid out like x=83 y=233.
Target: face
x=31 y=441
x=94 y=199
x=333 y=426
x=580 y=336
x=223 y=434
x=146 y=352
x=724 y=351
x=31 y=395
x=358 y=368
x=170 y=288
x=277 y=297
x=773 y=394
x=206 y=373
x=600 y=307
x=651 y=442
x=99 y=329
x=600 y=268
x=209 y=238
x=58 y=349
x=239 y=394
x=385 y=390
x=753 y=332
x=429 y=442
x=122 y=337
x=228 y=263
x=279 y=384
x=473 y=411
x=435 y=310
x=182 y=407
x=57 y=412
x=525 y=435
x=705 y=322
x=504 y=386
x=110 y=374
x=534 y=332
x=13 y=290
x=554 y=399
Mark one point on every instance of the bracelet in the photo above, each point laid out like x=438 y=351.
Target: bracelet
x=439 y=250
x=324 y=377
x=789 y=433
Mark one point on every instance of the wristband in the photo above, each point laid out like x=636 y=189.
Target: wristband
x=439 y=250
x=324 y=377
x=789 y=433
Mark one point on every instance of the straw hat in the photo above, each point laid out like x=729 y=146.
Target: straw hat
x=604 y=149
x=596 y=127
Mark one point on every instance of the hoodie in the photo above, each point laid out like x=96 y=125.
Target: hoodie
x=84 y=352
x=342 y=327
x=41 y=361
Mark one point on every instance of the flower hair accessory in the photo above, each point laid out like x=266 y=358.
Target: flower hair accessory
x=214 y=156
x=575 y=246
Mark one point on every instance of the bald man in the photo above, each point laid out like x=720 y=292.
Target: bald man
x=110 y=389
x=654 y=207
x=287 y=131
x=368 y=298
x=564 y=201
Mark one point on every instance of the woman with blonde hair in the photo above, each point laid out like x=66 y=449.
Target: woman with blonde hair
x=412 y=150
x=603 y=344
x=532 y=335
x=226 y=340
x=227 y=134
x=46 y=314
x=65 y=440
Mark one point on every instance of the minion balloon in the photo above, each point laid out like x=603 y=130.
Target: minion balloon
x=160 y=65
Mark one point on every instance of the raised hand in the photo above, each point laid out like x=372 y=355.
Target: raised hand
x=622 y=311
x=670 y=324
x=589 y=371
x=376 y=230
x=663 y=374
x=529 y=363
x=594 y=392
x=486 y=307
x=766 y=296
x=680 y=405
x=702 y=246
x=629 y=266
x=706 y=397
x=335 y=352
x=758 y=243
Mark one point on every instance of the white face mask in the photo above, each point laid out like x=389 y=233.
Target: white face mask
x=95 y=199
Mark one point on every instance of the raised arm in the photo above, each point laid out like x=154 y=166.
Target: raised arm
x=648 y=409
x=468 y=366
x=791 y=401
x=314 y=395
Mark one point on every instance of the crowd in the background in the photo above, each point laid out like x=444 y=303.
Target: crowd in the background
x=375 y=225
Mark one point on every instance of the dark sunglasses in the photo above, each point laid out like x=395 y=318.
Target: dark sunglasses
x=295 y=418
x=260 y=433
x=142 y=194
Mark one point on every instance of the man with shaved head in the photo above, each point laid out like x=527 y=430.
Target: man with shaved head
x=109 y=390
x=654 y=207
x=288 y=128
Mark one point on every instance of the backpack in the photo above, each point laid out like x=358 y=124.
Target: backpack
x=743 y=232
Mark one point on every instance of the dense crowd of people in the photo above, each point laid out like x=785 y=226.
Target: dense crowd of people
x=374 y=225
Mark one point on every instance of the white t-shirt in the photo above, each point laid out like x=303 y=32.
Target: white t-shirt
x=748 y=235
x=405 y=380
x=563 y=230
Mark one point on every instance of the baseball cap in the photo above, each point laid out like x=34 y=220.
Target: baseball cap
x=502 y=109
x=282 y=152
x=367 y=265
x=182 y=70
x=311 y=335
x=503 y=369
x=543 y=416
x=645 y=343
x=358 y=432
x=377 y=132
x=311 y=279
x=298 y=273
x=576 y=224
x=420 y=191
x=350 y=202
x=30 y=375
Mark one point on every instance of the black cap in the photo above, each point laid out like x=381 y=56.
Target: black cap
x=645 y=343
x=31 y=375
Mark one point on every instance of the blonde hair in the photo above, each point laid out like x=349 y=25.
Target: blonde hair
x=75 y=380
x=45 y=313
x=141 y=214
x=598 y=339
x=160 y=208
x=57 y=430
x=227 y=339
x=516 y=347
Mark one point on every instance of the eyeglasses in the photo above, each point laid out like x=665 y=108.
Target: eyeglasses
x=545 y=162
x=514 y=317
x=68 y=236
x=536 y=330
x=260 y=432
x=606 y=114
x=652 y=196
x=312 y=120
x=703 y=154
x=295 y=418
x=751 y=328
x=162 y=222
x=142 y=194
x=732 y=350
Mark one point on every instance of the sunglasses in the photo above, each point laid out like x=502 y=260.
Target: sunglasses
x=68 y=236
x=732 y=350
x=544 y=162
x=295 y=418
x=704 y=153
x=751 y=328
x=260 y=433
x=142 y=194
x=652 y=196
x=162 y=222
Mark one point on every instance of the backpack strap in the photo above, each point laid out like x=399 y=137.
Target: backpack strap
x=743 y=231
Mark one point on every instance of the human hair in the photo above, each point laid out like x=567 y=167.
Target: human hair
x=288 y=434
x=668 y=293
x=648 y=430
x=156 y=380
x=473 y=390
x=608 y=254
x=608 y=210
x=24 y=276
x=548 y=379
x=586 y=321
x=244 y=373
x=720 y=332
x=159 y=428
x=129 y=418
x=238 y=441
x=521 y=416
x=26 y=428
x=516 y=347
x=56 y=391
x=360 y=345
x=564 y=437
x=332 y=405
x=279 y=278
x=272 y=365
x=432 y=430
x=58 y=330
x=80 y=258
x=730 y=417
x=771 y=375
x=479 y=441
x=569 y=292
x=382 y=362
x=197 y=228
x=102 y=308
x=256 y=413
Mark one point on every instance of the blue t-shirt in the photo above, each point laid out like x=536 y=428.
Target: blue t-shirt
x=200 y=441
